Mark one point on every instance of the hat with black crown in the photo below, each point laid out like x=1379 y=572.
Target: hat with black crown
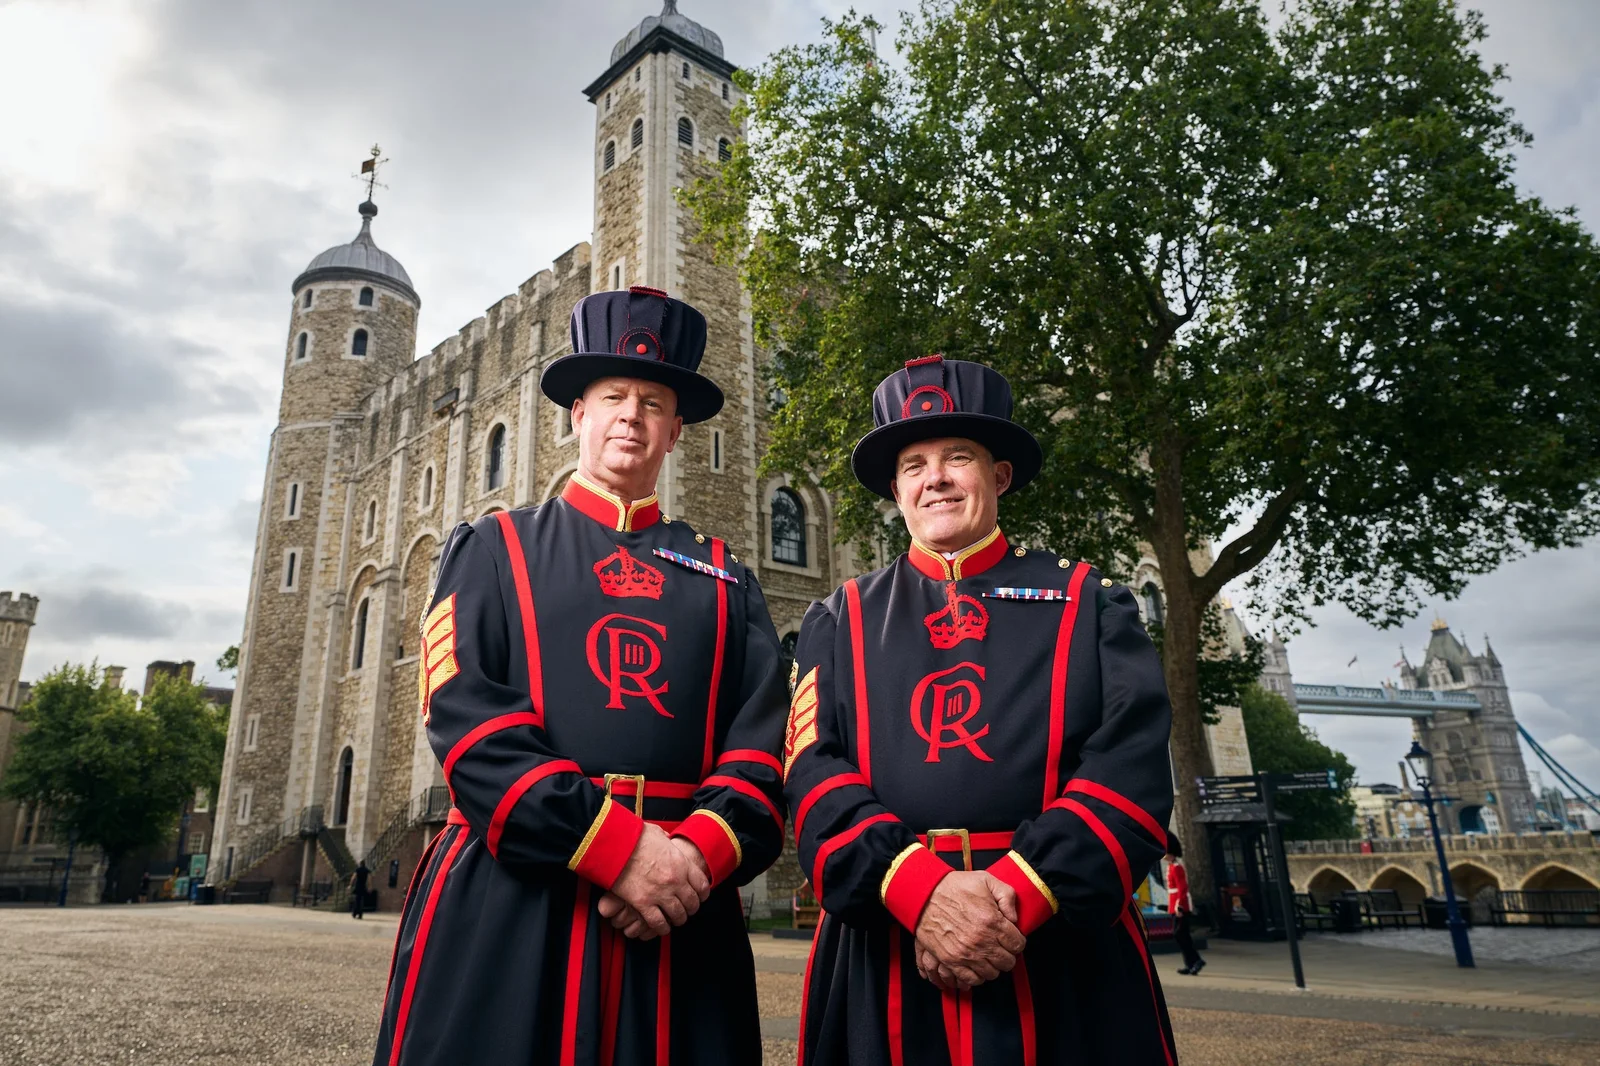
x=936 y=397
x=640 y=333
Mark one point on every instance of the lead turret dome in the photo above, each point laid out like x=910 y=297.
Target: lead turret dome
x=361 y=258
x=669 y=19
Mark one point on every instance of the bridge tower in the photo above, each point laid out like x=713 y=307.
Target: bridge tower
x=1477 y=759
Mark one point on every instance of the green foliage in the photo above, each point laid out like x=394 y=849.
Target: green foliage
x=1276 y=279
x=1279 y=743
x=115 y=771
x=229 y=660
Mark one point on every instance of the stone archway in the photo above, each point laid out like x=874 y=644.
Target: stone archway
x=1476 y=889
x=1328 y=883
x=1411 y=891
x=1556 y=878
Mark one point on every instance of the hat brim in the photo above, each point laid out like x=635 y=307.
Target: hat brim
x=564 y=380
x=875 y=455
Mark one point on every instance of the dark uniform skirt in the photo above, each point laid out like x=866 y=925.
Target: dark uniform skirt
x=496 y=970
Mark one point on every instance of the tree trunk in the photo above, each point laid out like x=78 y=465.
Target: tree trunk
x=1191 y=755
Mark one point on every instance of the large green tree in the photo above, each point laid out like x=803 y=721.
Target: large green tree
x=115 y=771
x=1280 y=743
x=1267 y=292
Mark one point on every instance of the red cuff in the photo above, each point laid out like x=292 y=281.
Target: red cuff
x=1034 y=898
x=608 y=845
x=911 y=879
x=716 y=841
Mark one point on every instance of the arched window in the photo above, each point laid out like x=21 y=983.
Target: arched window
x=358 y=343
x=611 y=155
x=372 y=520
x=341 y=802
x=427 y=488
x=1154 y=610
x=724 y=150
x=686 y=132
x=636 y=138
x=358 y=640
x=788 y=528
x=495 y=459
x=365 y=299
x=301 y=343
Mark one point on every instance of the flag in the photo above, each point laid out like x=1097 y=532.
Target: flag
x=367 y=165
x=1352 y=661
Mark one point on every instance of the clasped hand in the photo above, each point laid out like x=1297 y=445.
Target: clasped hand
x=663 y=884
x=968 y=931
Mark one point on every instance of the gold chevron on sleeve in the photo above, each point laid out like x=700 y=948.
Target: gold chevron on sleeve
x=437 y=663
x=802 y=731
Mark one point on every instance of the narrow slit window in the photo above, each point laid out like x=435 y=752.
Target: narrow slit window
x=611 y=155
x=724 y=90
x=293 y=510
x=495 y=461
x=307 y=301
x=686 y=71
x=636 y=138
x=301 y=343
x=716 y=451
x=359 y=640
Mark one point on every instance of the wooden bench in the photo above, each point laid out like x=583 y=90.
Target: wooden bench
x=1380 y=906
x=249 y=892
x=1565 y=906
x=805 y=908
x=1308 y=913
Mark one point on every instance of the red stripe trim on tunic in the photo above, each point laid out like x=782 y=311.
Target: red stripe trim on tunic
x=858 y=654
x=1058 y=684
x=949 y=1005
x=718 y=554
x=484 y=729
x=828 y=785
x=805 y=988
x=424 y=925
x=1144 y=957
x=765 y=758
x=1107 y=837
x=743 y=787
x=1025 y=1018
x=530 y=624
x=664 y=1004
x=896 y=1009
x=834 y=843
x=612 y=958
x=626 y=787
x=411 y=887
x=497 y=824
x=574 y=992
x=1121 y=803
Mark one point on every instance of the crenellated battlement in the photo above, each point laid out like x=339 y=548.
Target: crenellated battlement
x=19 y=608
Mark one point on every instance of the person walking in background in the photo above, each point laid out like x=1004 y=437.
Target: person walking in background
x=358 y=888
x=1179 y=907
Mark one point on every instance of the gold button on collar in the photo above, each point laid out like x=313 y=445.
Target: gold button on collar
x=1105 y=582
x=699 y=538
x=1020 y=552
x=667 y=519
x=1063 y=563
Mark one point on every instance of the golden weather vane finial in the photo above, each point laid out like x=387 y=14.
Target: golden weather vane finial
x=369 y=171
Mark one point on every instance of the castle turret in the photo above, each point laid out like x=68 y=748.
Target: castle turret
x=16 y=622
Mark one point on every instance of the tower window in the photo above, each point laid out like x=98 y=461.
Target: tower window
x=716 y=451
x=245 y=796
x=302 y=345
x=616 y=276
x=686 y=132
x=686 y=71
x=1154 y=610
x=372 y=520
x=724 y=150
x=307 y=301
x=638 y=72
x=495 y=459
x=365 y=299
x=564 y=430
x=341 y=802
x=292 y=503
x=291 y=568
x=608 y=103
x=636 y=138
x=610 y=156
x=252 y=732
x=358 y=645
x=358 y=343
x=724 y=90
x=788 y=528
x=427 y=488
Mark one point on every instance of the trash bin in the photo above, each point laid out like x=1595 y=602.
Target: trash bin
x=1436 y=912
x=1346 y=915
x=205 y=893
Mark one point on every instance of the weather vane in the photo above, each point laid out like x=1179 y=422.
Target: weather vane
x=369 y=171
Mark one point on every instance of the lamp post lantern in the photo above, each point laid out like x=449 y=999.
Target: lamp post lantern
x=1421 y=761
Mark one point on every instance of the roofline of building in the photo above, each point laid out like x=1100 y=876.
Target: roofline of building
x=659 y=39
x=341 y=273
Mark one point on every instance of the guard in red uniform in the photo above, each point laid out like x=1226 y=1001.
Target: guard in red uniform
x=602 y=685
x=976 y=762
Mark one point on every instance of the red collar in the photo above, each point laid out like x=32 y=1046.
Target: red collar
x=970 y=562
x=609 y=510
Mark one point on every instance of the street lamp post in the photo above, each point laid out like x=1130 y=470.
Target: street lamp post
x=1422 y=769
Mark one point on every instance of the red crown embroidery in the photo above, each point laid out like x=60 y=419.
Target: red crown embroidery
x=622 y=575
x=963 y=618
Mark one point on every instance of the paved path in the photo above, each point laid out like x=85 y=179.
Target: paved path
x=249 y=985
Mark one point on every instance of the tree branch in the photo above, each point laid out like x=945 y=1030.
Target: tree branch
x=1247 y=550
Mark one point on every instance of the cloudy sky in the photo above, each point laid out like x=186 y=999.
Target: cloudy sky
x=171 y=165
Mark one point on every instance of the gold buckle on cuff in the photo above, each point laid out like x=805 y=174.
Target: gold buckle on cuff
x=638 y=789
x=962 y=834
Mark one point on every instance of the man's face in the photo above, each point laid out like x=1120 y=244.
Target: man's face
x=626 y=427
x=949 y=491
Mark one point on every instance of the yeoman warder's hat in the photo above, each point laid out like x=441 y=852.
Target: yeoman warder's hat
x=937 y=397
x=641 y=333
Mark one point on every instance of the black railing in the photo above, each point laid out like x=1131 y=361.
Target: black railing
x=428 y=806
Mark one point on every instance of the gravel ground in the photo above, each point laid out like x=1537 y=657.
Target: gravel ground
x=1558 y=949
x=241 y=986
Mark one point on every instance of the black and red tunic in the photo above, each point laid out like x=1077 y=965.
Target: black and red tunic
x=1005 y=704
x=575 y=655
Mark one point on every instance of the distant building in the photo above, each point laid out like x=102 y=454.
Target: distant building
x=1388 y=812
